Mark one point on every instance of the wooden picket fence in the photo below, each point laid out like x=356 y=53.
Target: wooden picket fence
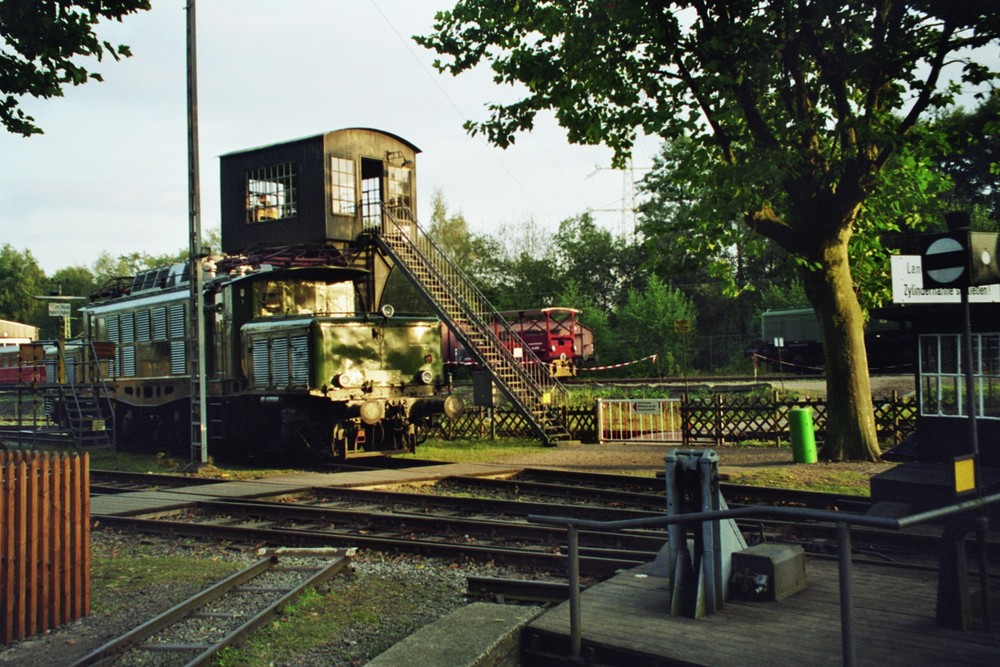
x=44 y=542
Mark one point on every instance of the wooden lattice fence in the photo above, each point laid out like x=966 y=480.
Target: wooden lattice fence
x=478 y=423
x=44 y=542
x=717 y=419
x=722 y=418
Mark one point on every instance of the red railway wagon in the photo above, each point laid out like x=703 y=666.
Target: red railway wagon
x=21 y=363
x=553 y=334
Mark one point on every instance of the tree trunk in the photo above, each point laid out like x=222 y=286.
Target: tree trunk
x=851 y=433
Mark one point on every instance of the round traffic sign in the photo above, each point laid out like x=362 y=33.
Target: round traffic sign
x=945 y=274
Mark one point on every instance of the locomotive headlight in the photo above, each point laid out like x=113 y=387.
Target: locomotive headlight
x=426 y=377
x=349 y=379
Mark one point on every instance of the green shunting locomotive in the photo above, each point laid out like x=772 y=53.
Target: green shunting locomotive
x=302 y=356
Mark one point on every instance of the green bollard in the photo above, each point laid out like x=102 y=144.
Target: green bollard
x=803 y=435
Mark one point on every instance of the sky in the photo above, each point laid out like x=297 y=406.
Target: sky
x=110 y=172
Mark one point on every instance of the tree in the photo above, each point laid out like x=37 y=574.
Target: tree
x=107 y=267
x=646 y=326
x=798 y=107
x=599 y=263
x=41 y=43
x=523 y=273
x=971 y=156
x=69 y=281
x=21 y=280
x=472 y=252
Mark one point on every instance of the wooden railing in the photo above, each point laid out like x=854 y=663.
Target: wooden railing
x=44 y=542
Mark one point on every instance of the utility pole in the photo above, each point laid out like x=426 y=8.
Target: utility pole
x=196 y=306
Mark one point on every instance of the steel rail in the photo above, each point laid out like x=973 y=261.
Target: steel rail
x=439 y=525
x=468 y=505
x=657 y=485
x=517 y=486
x=147 y=480
x=549 y=561
x=133 y=639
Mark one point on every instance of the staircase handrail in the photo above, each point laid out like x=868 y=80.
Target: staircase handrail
x=109 y=422
x=75 y=428
x=478 y=308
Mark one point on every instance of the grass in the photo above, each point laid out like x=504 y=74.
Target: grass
x=475 y=451
x=114 y=576
x=353 y=606
x=819 y=477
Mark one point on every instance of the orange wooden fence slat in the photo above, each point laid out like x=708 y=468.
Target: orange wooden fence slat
x=20 y=552
x=45 y=548
x=65 y=584
x=31 y=539
x=8 y=553
x=84 y=565
x=76 y=536
x=55 y=551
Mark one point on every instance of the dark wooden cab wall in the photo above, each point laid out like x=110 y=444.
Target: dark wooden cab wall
x=322 y=189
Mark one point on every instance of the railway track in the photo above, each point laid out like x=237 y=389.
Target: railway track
x=223 y=615
x=511 y=543
x=485 y=519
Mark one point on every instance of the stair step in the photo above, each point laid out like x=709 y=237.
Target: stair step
x=463 y=307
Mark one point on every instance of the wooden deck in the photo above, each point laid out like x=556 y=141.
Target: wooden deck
x=625 y=620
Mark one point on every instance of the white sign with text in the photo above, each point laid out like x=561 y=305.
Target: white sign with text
x=908 y=285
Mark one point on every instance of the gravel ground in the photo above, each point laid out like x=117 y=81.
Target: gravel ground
x=443 y=581
x=442 y=584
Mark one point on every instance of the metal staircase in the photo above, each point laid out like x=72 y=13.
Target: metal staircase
x=526 y=381
x=86 y=401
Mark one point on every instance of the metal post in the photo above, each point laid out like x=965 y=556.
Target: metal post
x=982 y=527
x=846 y=593
x=196 y=309
x=575 y=636
x=968 y=360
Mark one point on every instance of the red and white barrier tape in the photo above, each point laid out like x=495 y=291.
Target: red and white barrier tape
x=783 y=363
x=651 y=357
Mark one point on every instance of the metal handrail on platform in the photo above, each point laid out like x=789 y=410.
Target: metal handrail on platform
x=843 y=521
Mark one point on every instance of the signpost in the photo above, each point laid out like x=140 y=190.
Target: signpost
x=779 y=342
